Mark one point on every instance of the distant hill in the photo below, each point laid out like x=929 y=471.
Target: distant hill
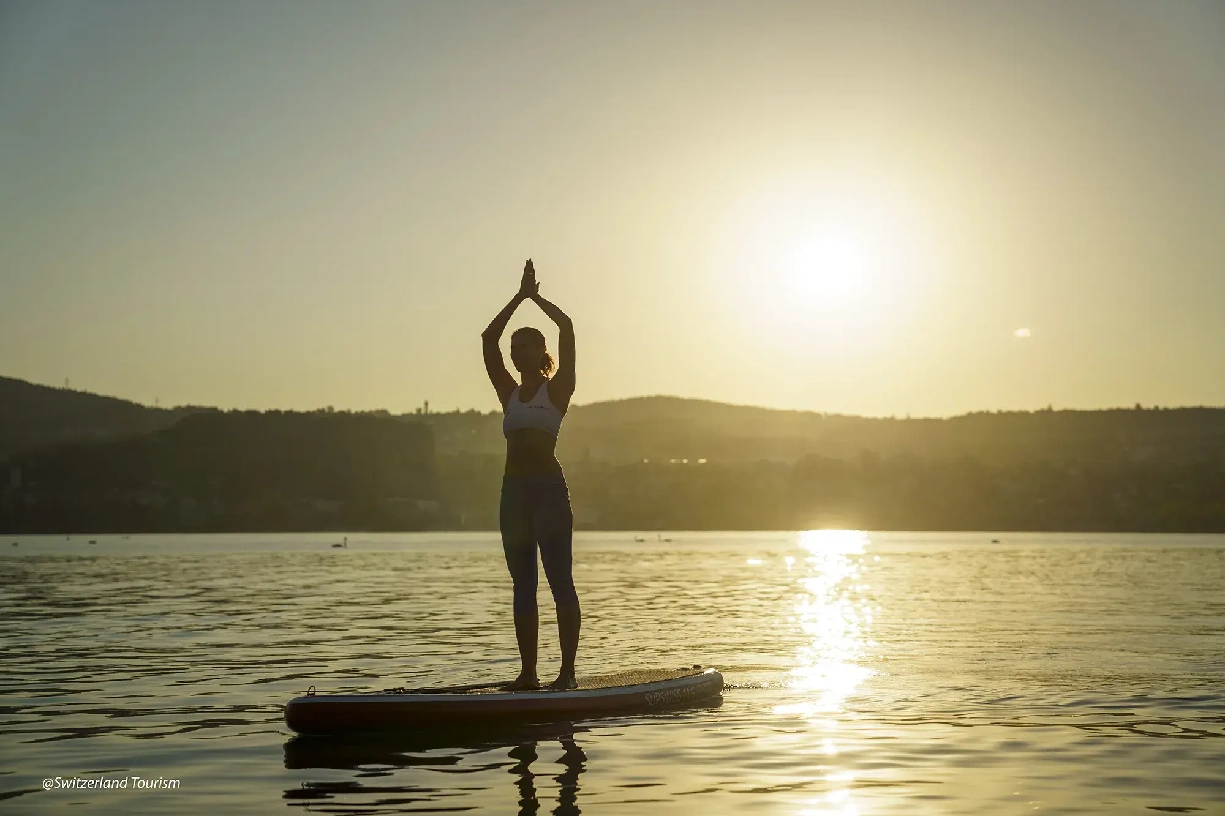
x=33 y=415
x=82 y=462
x=233 y=470
x=661 y=427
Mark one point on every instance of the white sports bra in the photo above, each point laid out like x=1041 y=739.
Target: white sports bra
x=540 y=413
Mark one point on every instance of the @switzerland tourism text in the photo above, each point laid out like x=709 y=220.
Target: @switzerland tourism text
x=109 y=783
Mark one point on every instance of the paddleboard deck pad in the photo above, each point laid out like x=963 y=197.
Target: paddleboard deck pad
x=394 y=709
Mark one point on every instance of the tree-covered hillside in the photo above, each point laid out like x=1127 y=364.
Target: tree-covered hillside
x=32 y=415
x=645 y=463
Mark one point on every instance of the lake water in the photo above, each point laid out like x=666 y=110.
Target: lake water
x=867 y=673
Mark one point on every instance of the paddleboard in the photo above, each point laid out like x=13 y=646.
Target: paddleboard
x=600 y=695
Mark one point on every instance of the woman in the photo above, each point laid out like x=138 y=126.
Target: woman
x=535 y=507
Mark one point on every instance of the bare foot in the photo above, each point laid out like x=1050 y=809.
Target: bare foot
x=524 y=682
x=564 y=681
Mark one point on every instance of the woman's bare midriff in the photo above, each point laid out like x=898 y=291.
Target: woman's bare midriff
x=530 y=451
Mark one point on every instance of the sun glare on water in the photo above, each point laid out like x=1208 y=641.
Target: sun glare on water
x=834 y=621
x=834 y=618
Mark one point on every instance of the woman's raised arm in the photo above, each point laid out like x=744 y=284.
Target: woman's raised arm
x=498 y=325
x=495 y=366
x=564 y=378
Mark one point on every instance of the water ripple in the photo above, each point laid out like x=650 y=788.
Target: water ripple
x=864 y=673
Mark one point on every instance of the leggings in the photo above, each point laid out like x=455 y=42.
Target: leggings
x=535 y=510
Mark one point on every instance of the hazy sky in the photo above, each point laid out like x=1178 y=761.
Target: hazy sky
x=842 y=207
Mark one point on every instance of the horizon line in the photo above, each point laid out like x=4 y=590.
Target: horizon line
x=1048 y=409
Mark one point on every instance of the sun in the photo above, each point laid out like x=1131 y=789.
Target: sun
x=827 y=268
x=824 y=261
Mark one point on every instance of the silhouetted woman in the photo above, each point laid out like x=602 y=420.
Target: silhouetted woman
x=535 y=509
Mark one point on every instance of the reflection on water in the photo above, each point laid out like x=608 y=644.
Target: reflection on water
x=572 y=758
x=834 y=620
x=379 y=755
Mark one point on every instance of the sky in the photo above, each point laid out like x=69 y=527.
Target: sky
x=869 y=208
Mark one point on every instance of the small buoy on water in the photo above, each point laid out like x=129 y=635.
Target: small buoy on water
x=93 y=541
